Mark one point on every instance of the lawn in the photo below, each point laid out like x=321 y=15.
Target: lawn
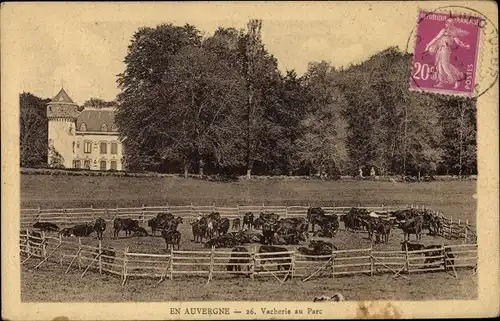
x=50 y=284
x=454 y=198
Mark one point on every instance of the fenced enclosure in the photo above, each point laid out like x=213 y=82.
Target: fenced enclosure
x=70 y=216
x=223 y=263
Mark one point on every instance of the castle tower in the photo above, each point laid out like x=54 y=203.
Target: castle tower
x=61 y=114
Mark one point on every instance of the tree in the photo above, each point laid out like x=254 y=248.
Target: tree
x=149 y=56
x=98 y=103
x=322 y=146
x=33 y=130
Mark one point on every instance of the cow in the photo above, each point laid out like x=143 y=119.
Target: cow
x=141 y=231
x=283 y=259
x=258 y=223
x=67 y=232
x=383 y=228
x=172 y=224
x=413 y=226
x=239 y=256
x=313 y=213
x=99 y=227
x=337 y=297
x=411 y=246
x=83 y=229
x=248 y=220
x=268 y=231
x=127 y=224
x=153 y=223
x=46 y=226
x=223 y=226
x=171 y=238
x=199 y=230
x=237 y=224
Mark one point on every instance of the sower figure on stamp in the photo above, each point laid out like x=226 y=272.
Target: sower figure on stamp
x=441 y=46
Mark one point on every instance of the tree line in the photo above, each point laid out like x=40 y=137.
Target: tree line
x=219 y=104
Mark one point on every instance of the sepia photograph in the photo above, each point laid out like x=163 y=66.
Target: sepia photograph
x=210 y=152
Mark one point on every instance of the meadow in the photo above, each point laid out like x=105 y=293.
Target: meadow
x=49 y=283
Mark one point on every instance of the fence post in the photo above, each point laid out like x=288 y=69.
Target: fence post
x=191 y=210
x=79 y=258
x=372 y=262
x=60 y=250
x=238 y=209
x=407 y=259
x=286 y=210
x=333 y=263
x=450 y=231
x=211 y=271
x=443 y=251
x=44 y=246
x=466 y=228
x=293 y=265
x=125 y=265
x=39 y=216
x=100 y=257
x=171 y=263
x=28 y=245
x=252 y=268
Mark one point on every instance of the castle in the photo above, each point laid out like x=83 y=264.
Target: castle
x=82 y=139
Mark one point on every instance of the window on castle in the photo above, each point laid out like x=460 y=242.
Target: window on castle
x=113 y=165
x=104 y=127
x=83 y=127
x=76 y=163
x=114 y=148
x=86 y=164
x=77 y=145
x=114 y=128
x=104 y=148
x=102 y=165
x=87 y=147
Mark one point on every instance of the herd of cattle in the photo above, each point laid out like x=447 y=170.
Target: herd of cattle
x=270 y=230
x=267 y=228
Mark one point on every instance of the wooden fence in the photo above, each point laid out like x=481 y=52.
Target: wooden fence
x=69 y=216
x=216 y=263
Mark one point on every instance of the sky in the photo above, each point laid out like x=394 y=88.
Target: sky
x=83 y=44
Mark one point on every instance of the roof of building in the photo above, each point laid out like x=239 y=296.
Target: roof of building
x=95 y=118
x=62 y=98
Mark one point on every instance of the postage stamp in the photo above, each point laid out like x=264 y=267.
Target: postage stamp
x=446 y=53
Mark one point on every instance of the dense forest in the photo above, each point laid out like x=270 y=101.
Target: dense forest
x=219 y=104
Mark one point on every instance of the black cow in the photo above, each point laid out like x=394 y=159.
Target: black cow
x=223 y=226
x=83 y=229
x=99 y=227
x=413 y=226
x=411 y=246
x=171 y=238
x=141 y=231
x=268 y=231
x=283 y=259
x=236 y=224
x=248 y=220
x=258 y=223
x=127 y=224
x=67 y=232
x=239 y=255
x=153 y=223
x=383 y=228
x=313 y=213
x=46 y=226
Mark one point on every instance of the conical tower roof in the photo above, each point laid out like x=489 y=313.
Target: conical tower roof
x=62 y=98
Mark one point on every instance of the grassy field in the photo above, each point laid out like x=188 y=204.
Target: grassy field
x=452 y=198
x=49 y=283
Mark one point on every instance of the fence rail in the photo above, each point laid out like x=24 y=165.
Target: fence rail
x=280 y=265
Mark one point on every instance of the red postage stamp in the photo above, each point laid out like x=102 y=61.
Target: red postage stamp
x=446 y=53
